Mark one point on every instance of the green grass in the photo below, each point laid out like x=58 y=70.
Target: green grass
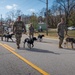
x=72 y=33
x=52 y=33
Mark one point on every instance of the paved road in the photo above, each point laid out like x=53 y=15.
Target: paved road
x=44 y=59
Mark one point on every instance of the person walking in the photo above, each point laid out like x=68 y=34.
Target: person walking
x=31 y=31
x=61 y=30
x=18 y=29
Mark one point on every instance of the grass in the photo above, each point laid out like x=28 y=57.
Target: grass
x=52 y=33
x=72 y=33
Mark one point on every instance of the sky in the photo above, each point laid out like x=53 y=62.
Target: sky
x=26 y=6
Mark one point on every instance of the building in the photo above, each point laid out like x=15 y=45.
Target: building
x=41 y=25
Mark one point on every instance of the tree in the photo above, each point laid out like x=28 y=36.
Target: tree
x=67 y=6
x=18 y=13
x=10 y=15
x=13 y=14
x=33 y=19
x=26 y=18
x=72 y=18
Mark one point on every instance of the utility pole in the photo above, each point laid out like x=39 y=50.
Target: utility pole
x=1 y=19
x=1 y=29
x=46 y=17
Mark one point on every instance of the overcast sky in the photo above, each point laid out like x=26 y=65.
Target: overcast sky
x=26 y=6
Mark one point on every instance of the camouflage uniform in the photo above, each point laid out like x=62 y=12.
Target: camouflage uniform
x=1 y=31
x=31 y=31
x=17 y=29
x=61 y=28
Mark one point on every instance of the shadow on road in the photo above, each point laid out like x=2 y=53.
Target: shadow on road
x=38 y=50
x=45 y=42
x=9 y=41
x=70 y=49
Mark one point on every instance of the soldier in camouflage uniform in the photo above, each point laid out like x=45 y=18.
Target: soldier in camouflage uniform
x=61 y=30
x=1 y=31
x=31 y=30
x=17 y=30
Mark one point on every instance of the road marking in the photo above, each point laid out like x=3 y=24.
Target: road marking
x=9 y=47
x=25 y=60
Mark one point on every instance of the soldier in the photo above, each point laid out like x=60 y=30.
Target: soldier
x=61 y=29
x=17 y=30
x=1 y=31
x=31 y=30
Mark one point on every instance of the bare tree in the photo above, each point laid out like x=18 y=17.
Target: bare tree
x=67 y=6
x=10 y=15
x=18 y=13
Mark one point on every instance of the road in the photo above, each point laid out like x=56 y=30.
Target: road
x=44 y=59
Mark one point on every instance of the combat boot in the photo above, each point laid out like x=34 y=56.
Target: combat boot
x=60 y=43
x=60 y=47
x=1 y=38
x=18 y=46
